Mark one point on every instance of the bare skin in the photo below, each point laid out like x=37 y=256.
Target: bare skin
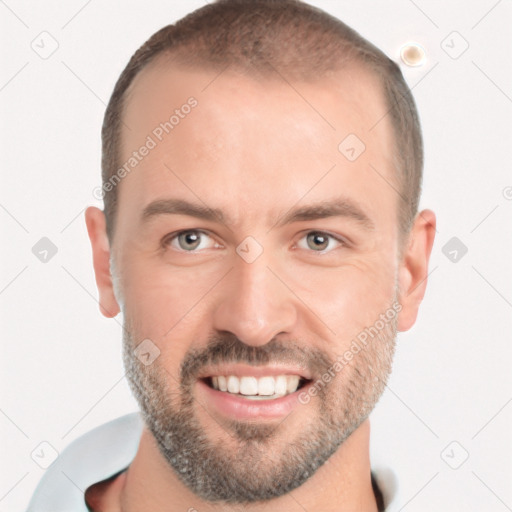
x=256 y=150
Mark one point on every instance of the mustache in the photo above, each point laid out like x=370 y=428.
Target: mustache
x=227 y=348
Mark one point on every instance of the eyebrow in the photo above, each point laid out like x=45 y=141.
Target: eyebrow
x=181 y=207
x=338 y=207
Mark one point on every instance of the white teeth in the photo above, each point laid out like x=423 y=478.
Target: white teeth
x=292 y=383
x=267 y=387
x=280 y=388
x=249 y=386
x=233 y=384
x=223 y=383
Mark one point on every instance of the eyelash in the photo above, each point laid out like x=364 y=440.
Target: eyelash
x=173 y=236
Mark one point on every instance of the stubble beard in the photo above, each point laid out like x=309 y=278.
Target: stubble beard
x=246 y=462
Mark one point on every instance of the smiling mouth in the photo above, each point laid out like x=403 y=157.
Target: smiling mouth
x=256 y=388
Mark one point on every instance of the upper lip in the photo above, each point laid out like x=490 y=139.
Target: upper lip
x=248 y=370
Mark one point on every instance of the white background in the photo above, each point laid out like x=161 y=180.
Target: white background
x=61 y=369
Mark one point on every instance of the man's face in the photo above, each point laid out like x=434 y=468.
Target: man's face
x=268 y=297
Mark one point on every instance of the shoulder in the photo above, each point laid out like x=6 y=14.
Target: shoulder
x=95 y=456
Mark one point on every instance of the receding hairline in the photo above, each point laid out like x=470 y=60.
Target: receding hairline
x=172 y=64
x=173 y=61
x=227 y=32
x=181 y=60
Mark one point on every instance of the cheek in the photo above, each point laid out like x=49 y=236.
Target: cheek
x=164 y=302
x=350 y=297
x=154 y=311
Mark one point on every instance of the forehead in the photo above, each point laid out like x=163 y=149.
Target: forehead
x=219 y=134
x=349 y=98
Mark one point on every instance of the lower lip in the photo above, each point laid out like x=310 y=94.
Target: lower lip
x=234 y=406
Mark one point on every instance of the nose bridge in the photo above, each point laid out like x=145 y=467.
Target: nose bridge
x=255 y=306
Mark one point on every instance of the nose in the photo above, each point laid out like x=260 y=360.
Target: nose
x=254 y=304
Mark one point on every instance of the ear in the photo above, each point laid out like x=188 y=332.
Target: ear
x=96 y=228
x=413 y=271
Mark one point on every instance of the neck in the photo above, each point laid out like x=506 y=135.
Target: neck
x=343 y=483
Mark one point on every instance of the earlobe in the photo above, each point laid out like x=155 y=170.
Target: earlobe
x=96 y=228
x=413 y=271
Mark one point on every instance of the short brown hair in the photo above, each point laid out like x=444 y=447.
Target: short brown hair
x=292 y=37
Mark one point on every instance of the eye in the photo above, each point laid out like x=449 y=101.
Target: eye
x=190 y=240
x=319 y=241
